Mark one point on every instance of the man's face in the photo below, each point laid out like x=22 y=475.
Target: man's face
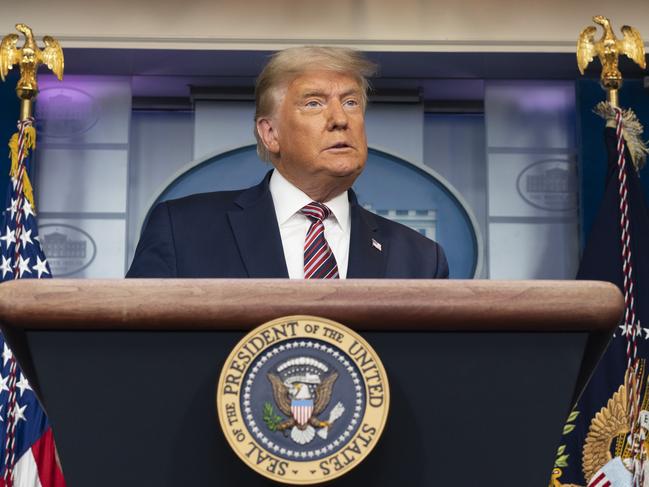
x=318 y=137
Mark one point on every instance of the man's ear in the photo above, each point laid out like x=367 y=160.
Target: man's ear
x=268 y=133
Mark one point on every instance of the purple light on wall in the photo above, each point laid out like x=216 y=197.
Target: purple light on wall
x=543 y=98
x=67 y=108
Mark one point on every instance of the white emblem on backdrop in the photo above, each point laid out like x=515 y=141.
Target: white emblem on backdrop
x=549 y=185
x=68 y=249
x=65 y=112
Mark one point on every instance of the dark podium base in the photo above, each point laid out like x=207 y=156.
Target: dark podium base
x=467 y=409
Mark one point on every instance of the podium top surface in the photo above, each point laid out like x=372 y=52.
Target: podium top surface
x=241 y=304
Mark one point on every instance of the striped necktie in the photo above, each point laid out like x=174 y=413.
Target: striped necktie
x=319 y=260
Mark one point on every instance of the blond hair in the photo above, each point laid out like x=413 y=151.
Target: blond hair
x=286 y=65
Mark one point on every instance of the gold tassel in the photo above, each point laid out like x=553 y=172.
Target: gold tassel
x=631 y=131
x=30 y=143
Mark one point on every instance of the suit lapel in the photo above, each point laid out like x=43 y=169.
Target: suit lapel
x=368 y=251
x=256 y=232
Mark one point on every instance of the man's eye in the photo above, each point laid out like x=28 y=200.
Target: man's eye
x=351 y=102
x=312 y=104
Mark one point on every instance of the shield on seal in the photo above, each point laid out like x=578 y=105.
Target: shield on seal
x=302 y=409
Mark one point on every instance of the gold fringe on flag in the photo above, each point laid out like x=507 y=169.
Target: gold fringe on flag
x=30 y=143
x=631 y=130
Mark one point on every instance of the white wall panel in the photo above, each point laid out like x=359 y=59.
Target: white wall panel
x=532 y=184
x=82 y=180
x=530 y=114
x=84 y=109
x=161 y=144
x=454 y=146
x=533 y=250
x=95 y=246
x=222 y=125
x=397 y=128
x=81 y=172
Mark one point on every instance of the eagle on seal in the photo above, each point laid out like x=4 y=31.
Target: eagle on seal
x=296 y=402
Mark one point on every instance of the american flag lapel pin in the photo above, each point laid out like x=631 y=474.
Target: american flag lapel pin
x=377 y=245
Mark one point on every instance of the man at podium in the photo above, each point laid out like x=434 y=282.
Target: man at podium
x=302 y=220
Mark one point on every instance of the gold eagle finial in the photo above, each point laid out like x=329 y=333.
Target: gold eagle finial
x=608 y=49
x=29 y=58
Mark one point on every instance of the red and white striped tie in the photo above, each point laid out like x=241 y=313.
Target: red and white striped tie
x=319 y=260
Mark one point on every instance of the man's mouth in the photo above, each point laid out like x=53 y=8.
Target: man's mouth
x=340 y=146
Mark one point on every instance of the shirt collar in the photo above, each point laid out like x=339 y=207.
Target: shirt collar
x=288 y=200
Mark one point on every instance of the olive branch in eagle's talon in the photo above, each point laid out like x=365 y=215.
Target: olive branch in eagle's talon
x=271 y=419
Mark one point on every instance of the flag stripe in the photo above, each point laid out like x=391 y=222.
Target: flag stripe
x=44 y=452
x=595 y=482
x=26 y=471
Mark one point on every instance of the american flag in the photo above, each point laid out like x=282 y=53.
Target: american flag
x=27 y=451
x=22 y=255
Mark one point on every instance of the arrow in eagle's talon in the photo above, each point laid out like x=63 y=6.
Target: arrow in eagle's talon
x=335 y=413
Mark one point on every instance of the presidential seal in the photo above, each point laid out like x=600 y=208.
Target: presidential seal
x=302 y=400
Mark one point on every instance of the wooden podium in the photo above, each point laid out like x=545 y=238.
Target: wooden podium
x=482 y=373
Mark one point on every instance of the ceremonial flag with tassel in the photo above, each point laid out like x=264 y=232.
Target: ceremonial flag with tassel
x=28 y=454
x=605 y=440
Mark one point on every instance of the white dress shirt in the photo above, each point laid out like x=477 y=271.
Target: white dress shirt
x=293 y=225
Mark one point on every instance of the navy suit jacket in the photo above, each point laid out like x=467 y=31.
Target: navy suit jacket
x=235 y=234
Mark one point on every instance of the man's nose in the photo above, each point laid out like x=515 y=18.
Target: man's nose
x=337 y=116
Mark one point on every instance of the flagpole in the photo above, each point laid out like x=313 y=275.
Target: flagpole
x=26 y=108
x=27 y=93
x=628 y=130
x=28 y=59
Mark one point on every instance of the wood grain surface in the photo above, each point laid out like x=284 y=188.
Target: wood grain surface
x=241 y=304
